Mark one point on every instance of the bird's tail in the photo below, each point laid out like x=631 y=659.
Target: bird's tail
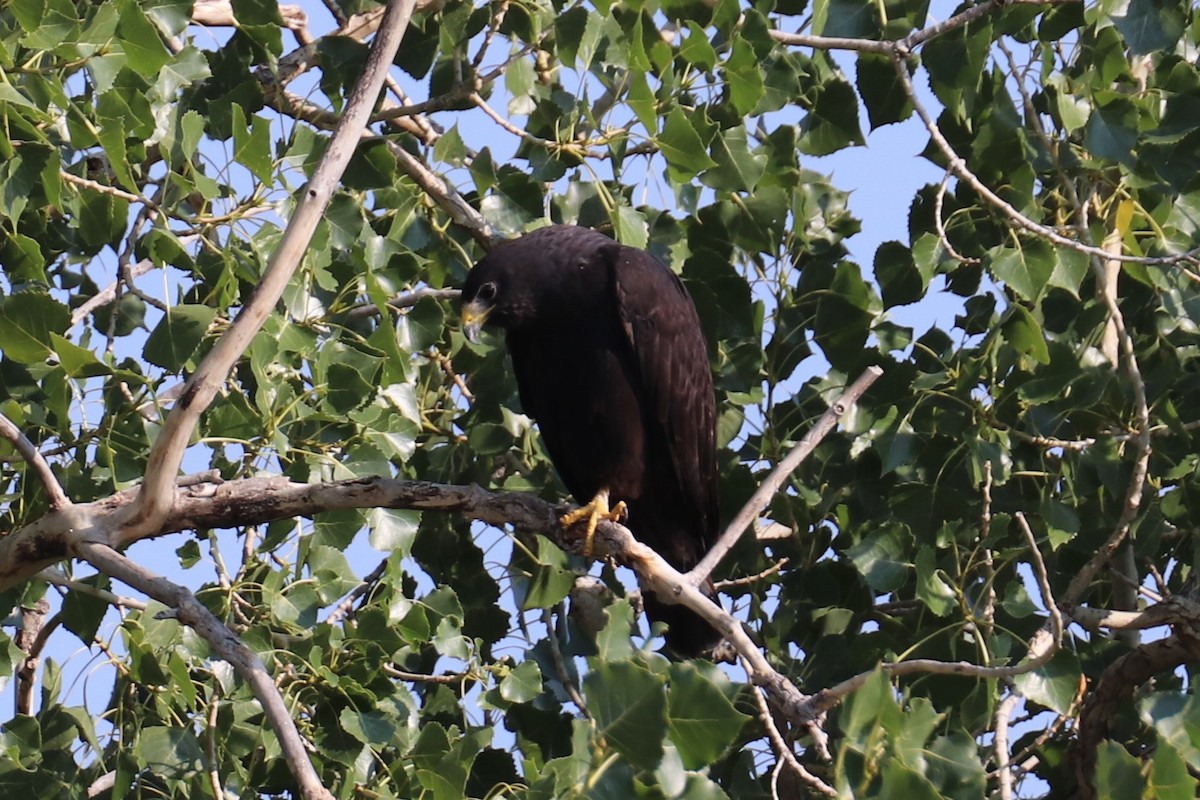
x=688 y=634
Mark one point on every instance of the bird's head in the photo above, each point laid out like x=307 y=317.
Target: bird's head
x=522 y=280
x=484 y=299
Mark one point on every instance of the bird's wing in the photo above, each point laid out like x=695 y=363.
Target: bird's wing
x=668 y=344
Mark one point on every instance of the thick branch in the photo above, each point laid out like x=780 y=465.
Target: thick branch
x=258 y=500
x=1176 y=610
x=1115 y=686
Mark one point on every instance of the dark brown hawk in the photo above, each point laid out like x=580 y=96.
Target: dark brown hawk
x=611 y=362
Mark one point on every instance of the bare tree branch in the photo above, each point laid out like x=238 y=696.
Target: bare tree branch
x=36 y=462
x=154 y=500
x=30 y=639
x=226 y=645
x=766 y=491
x=56 y=577
x=784 y=753
x=957 y=165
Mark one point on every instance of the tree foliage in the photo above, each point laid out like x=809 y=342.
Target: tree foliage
x=1027 y=459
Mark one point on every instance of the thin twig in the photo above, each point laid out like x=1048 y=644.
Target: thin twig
x=342 y=609
x=940 y=227
x=1004 y=775
x=989 y=569
x=1043 y=581
x=958 y=165
x=783 y=752
x=404 y=300
x=214 y=776
x=1042 y=646
x=450 y=678
x=109 y=293
x=746 y=580
x=560 y=664
x=761 y=498
x=56 y=577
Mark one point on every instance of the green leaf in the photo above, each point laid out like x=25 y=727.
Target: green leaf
x=628 y=704
x=680 y=144
x=22 y=258
x=701 y=721
x=736 y=168
x=697 y=50
x=932 y=589
x=613 y=641
x=1169 y=777
x=1112 y=129
x=50 y=24
x=543 y=580
x=77 y=362
x=1175 y=718
x=868 y=710
x=1070 y=268
x=849 y=18
x=832 y=120
x=450 y=148
x=393 y=529
x=1025 y=268
x=880 y=558
x=1118 y=774
x=1053 y=685
x=643 y=102
x=112 y=134
x=881 y=90
x=27 y=320
x=901 y=281
x=172 y=752
x=956 y=64
x=188 y=66
x=843 y=319
x=523 y=684
x=369 y=727
x=902 y=781
x=1021 y=331
x=174 y=340
x=1151 y=26
x=144 y=50
x=252 y=145
x=82 y=613
x=952 y=765
x=629 y=227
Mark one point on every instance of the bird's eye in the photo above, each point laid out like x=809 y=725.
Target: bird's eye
x=487 y=292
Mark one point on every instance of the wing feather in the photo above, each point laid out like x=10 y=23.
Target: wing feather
x=668 y=344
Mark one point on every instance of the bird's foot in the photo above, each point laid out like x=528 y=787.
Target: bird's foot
x=594 y=512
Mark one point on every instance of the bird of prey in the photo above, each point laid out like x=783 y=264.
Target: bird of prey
x=611 y=362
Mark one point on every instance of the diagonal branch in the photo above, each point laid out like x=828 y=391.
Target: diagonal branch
x=37 y=463
x=956 y=164
x=158 y=490
x=762 y=497
x=226 y=645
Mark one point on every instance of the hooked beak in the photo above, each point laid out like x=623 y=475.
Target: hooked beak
x=474 y=314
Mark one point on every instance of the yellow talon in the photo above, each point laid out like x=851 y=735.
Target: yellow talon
x=594 y=512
